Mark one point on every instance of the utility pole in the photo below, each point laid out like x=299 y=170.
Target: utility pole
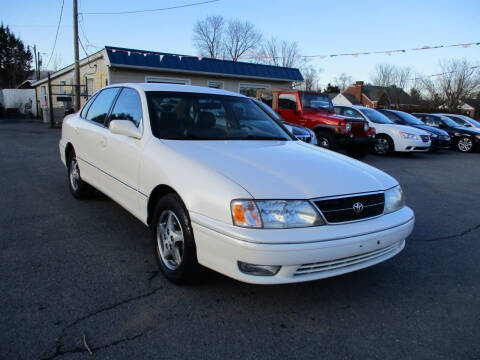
x=36 y=62
x=77 y=61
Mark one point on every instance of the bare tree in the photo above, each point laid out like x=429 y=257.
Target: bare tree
x=343 y=81
x=240 y=37
x=458 y=82
x=384 y=75
x=57 y=63
x=208 y=36
x=311 y=77
x=393 y=77
x=281 y=53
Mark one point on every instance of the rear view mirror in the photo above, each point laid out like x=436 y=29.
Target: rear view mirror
x=124 y=127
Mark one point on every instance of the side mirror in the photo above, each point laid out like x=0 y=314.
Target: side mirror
x=124 y=127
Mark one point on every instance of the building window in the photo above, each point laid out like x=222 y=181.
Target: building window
x=43 y=96
x=89 y=87
x=215 y=84
x=61 y=88
x=251 y=89
x=167 y=80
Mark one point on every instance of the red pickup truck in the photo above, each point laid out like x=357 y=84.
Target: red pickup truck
x=315 y=111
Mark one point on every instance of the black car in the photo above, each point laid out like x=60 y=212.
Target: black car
x=463 y=139
x=300 y=132
x=440 y=138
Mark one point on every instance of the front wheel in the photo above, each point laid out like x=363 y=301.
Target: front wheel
x=383 y=145
x=173 y=241
x=326 y=140
x=465 y=144
x=79 y=188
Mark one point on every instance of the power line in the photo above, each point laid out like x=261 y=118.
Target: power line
x=149 y=10
x=56 y=35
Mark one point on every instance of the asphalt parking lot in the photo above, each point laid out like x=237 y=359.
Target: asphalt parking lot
x=82 y=272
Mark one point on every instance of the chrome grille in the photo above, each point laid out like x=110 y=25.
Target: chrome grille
x=341 y=209
x=329 y=265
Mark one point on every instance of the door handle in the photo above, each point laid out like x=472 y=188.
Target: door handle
x=103 y=142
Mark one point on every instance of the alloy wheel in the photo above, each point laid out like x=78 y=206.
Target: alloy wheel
x=170 y=241
x=74 y=173
x=323 y=142
x=465 y=144
x=381 y=146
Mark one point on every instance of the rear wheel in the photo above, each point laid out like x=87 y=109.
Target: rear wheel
x=79 y=189
x=173 y=241
x=383 y=145
x=465 y=144
x=326 y=140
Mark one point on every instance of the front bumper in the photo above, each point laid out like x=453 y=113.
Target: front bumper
x=303 y=254
x=408 y=145
x=440 y=143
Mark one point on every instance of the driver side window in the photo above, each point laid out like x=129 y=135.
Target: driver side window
x=432 y=121
x=352 y=113
x=287 y=101
x=128 y=107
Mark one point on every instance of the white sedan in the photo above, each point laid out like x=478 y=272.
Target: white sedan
x=223 y=185
x=389 y=136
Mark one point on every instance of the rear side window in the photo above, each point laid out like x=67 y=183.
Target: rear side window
x=128 y=107
x=352 y=113
x=395 y=118
x=101 y=105
x=83 y=113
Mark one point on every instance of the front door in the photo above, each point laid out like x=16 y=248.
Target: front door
x=287 y=107
x=120 y=154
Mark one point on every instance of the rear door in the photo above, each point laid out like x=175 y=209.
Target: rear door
x=120 y=154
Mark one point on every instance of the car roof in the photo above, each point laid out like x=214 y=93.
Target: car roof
x=176 y=88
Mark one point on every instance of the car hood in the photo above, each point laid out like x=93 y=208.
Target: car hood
x=431 y=129
x=465 y=130
x=410 y=129
x=284 y=169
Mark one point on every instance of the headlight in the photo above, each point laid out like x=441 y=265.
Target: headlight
x=394 y=199
x=366 y=127
x=348 y=127
x=313 y=137
x=409 y=136
x=275 y=214
x=477 y=136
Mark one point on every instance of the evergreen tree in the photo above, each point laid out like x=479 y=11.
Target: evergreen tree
x=15 y=59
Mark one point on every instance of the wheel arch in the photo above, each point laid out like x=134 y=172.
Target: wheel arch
x=157 y=193
x=68 y=150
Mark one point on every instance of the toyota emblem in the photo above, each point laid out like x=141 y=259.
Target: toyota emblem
x=358 y=207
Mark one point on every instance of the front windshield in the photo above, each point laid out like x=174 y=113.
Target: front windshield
x=196 y=116
x=376 y=117
x=316 y=101
x=410 y=119
x=269 y=110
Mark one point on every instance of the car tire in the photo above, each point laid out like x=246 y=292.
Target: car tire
x=79 y=188
x=383 y=145
x=326 y=140
x=465 y=144
x=173 y=241
x=358 y=151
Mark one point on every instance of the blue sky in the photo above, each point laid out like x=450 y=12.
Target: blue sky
x=320 y=27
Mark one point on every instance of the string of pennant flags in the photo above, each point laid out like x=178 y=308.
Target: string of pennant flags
x=440 y=74
x=254 y=56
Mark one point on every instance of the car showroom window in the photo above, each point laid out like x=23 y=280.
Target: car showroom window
x=287 y=101
x=128 y=107
x=101 y=105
